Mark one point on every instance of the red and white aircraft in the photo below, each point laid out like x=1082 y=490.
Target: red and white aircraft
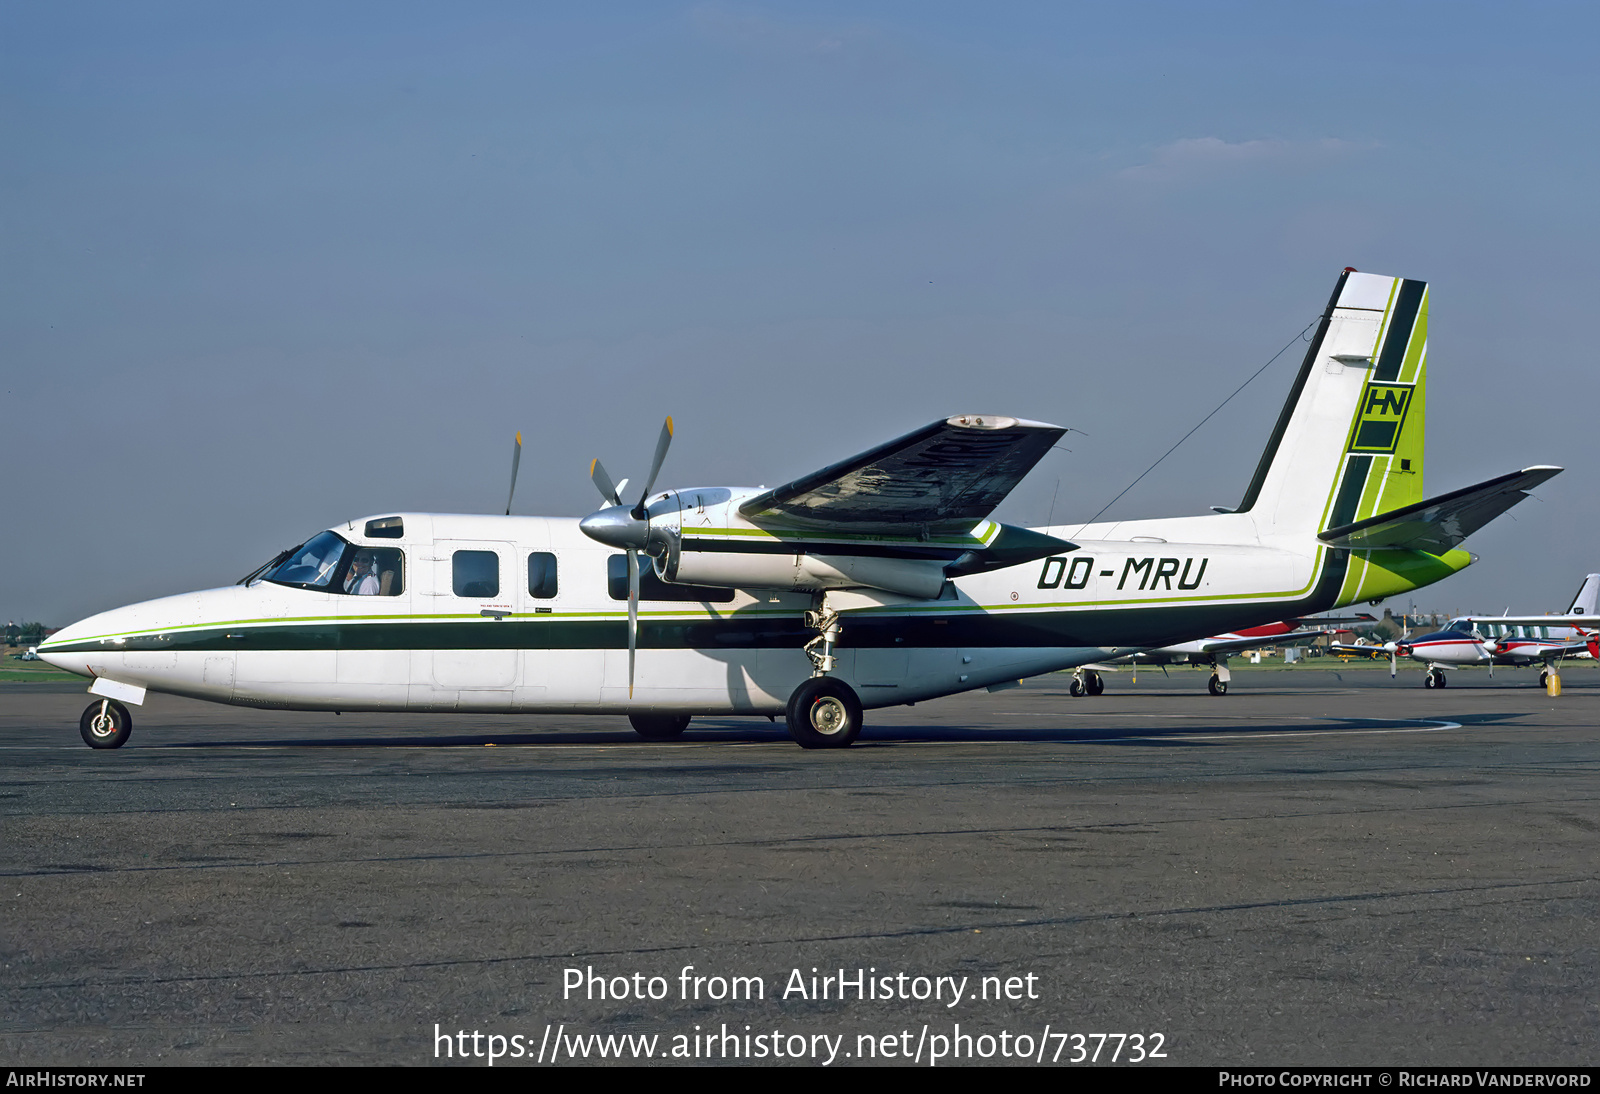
x=1213 y=651
x=1516 y=641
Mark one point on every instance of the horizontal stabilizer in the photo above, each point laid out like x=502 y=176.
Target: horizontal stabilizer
x=1440 y=524
x=941 y=479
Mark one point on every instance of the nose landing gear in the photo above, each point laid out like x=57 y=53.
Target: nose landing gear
x=105 y=724
x=659 y=727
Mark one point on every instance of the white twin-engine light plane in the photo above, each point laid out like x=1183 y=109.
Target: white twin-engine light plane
x=875 y=582
x=1517 y=641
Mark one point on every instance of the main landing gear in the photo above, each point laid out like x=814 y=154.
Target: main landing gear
x=1218 y=684
x=105 y=724
x=823 y=712
x=1434 y=679
x=1086 y=682
x=659 y=727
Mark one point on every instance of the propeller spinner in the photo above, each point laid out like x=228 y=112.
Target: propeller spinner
x=627 y=529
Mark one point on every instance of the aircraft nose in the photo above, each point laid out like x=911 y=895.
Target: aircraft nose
x=615 y=526
x=57 y=649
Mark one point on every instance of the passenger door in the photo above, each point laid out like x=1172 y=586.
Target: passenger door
x=476 y=585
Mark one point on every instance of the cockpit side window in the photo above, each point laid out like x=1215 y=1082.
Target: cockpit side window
x=375 y=571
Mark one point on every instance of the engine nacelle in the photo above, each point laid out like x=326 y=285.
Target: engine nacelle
x=801 y=571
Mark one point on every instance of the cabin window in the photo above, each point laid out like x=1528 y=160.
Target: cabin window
x=386 y=528
x=375 y=571
x=652 y=587
x=475 y=574
x=542 y=575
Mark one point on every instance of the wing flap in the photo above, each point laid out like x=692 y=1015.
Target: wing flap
x=942 y=478
x=1439 y=524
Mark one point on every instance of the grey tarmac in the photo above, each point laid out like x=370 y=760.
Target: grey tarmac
x=1314 y=869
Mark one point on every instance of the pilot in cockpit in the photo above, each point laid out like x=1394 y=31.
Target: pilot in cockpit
x=363 y=579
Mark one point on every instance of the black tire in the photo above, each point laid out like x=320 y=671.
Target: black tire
x=659 y=727
x=105 y=724
x=1076 y=688
x=1544 y=679
x=1429 y=681
x=1216 y=686
x=1441 y=680
x=1097 y=683
x=824 y=713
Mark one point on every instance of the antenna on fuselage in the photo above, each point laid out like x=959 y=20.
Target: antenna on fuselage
x=516 y=458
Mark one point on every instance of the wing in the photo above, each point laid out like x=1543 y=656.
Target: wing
x=939 y=480
x=1235 y=645
x=1440 y=523
x=1577 y=622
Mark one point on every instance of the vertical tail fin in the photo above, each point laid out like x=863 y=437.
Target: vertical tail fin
x=1349 y=442
x=1588 y=593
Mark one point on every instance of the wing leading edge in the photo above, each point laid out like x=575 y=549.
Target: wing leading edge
x=940 y=479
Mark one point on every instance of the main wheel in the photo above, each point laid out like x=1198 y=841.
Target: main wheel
x=824 y=713
x=1544 y=678
x=1441 y=681
x=1216 y=686
x=1076 y=688
x=659 y=727
x=105 y=724
x=1096 y=683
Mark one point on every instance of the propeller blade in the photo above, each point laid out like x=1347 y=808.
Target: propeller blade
x=516 y=458
x=662 y=444
x=633 y=614
x=603 y=483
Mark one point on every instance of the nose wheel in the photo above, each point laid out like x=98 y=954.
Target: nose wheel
x=1434 y=679
x=105 y=724
x=659 y=727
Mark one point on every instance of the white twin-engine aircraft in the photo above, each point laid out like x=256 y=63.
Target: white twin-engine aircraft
x=875 y=582
x=1518 y=641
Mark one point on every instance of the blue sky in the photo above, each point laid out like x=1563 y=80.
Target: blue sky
x=268 y=267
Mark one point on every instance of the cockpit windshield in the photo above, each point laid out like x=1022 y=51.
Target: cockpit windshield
x=313 y=564
x=329 y=561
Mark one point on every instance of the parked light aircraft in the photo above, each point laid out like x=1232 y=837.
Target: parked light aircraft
x=1214 y=651
x=877 y=581
x=1512 y=640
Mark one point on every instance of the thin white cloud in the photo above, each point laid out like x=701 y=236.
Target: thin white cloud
x=1202 y=157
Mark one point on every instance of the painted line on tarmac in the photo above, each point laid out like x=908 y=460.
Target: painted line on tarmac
x=1416 y=725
